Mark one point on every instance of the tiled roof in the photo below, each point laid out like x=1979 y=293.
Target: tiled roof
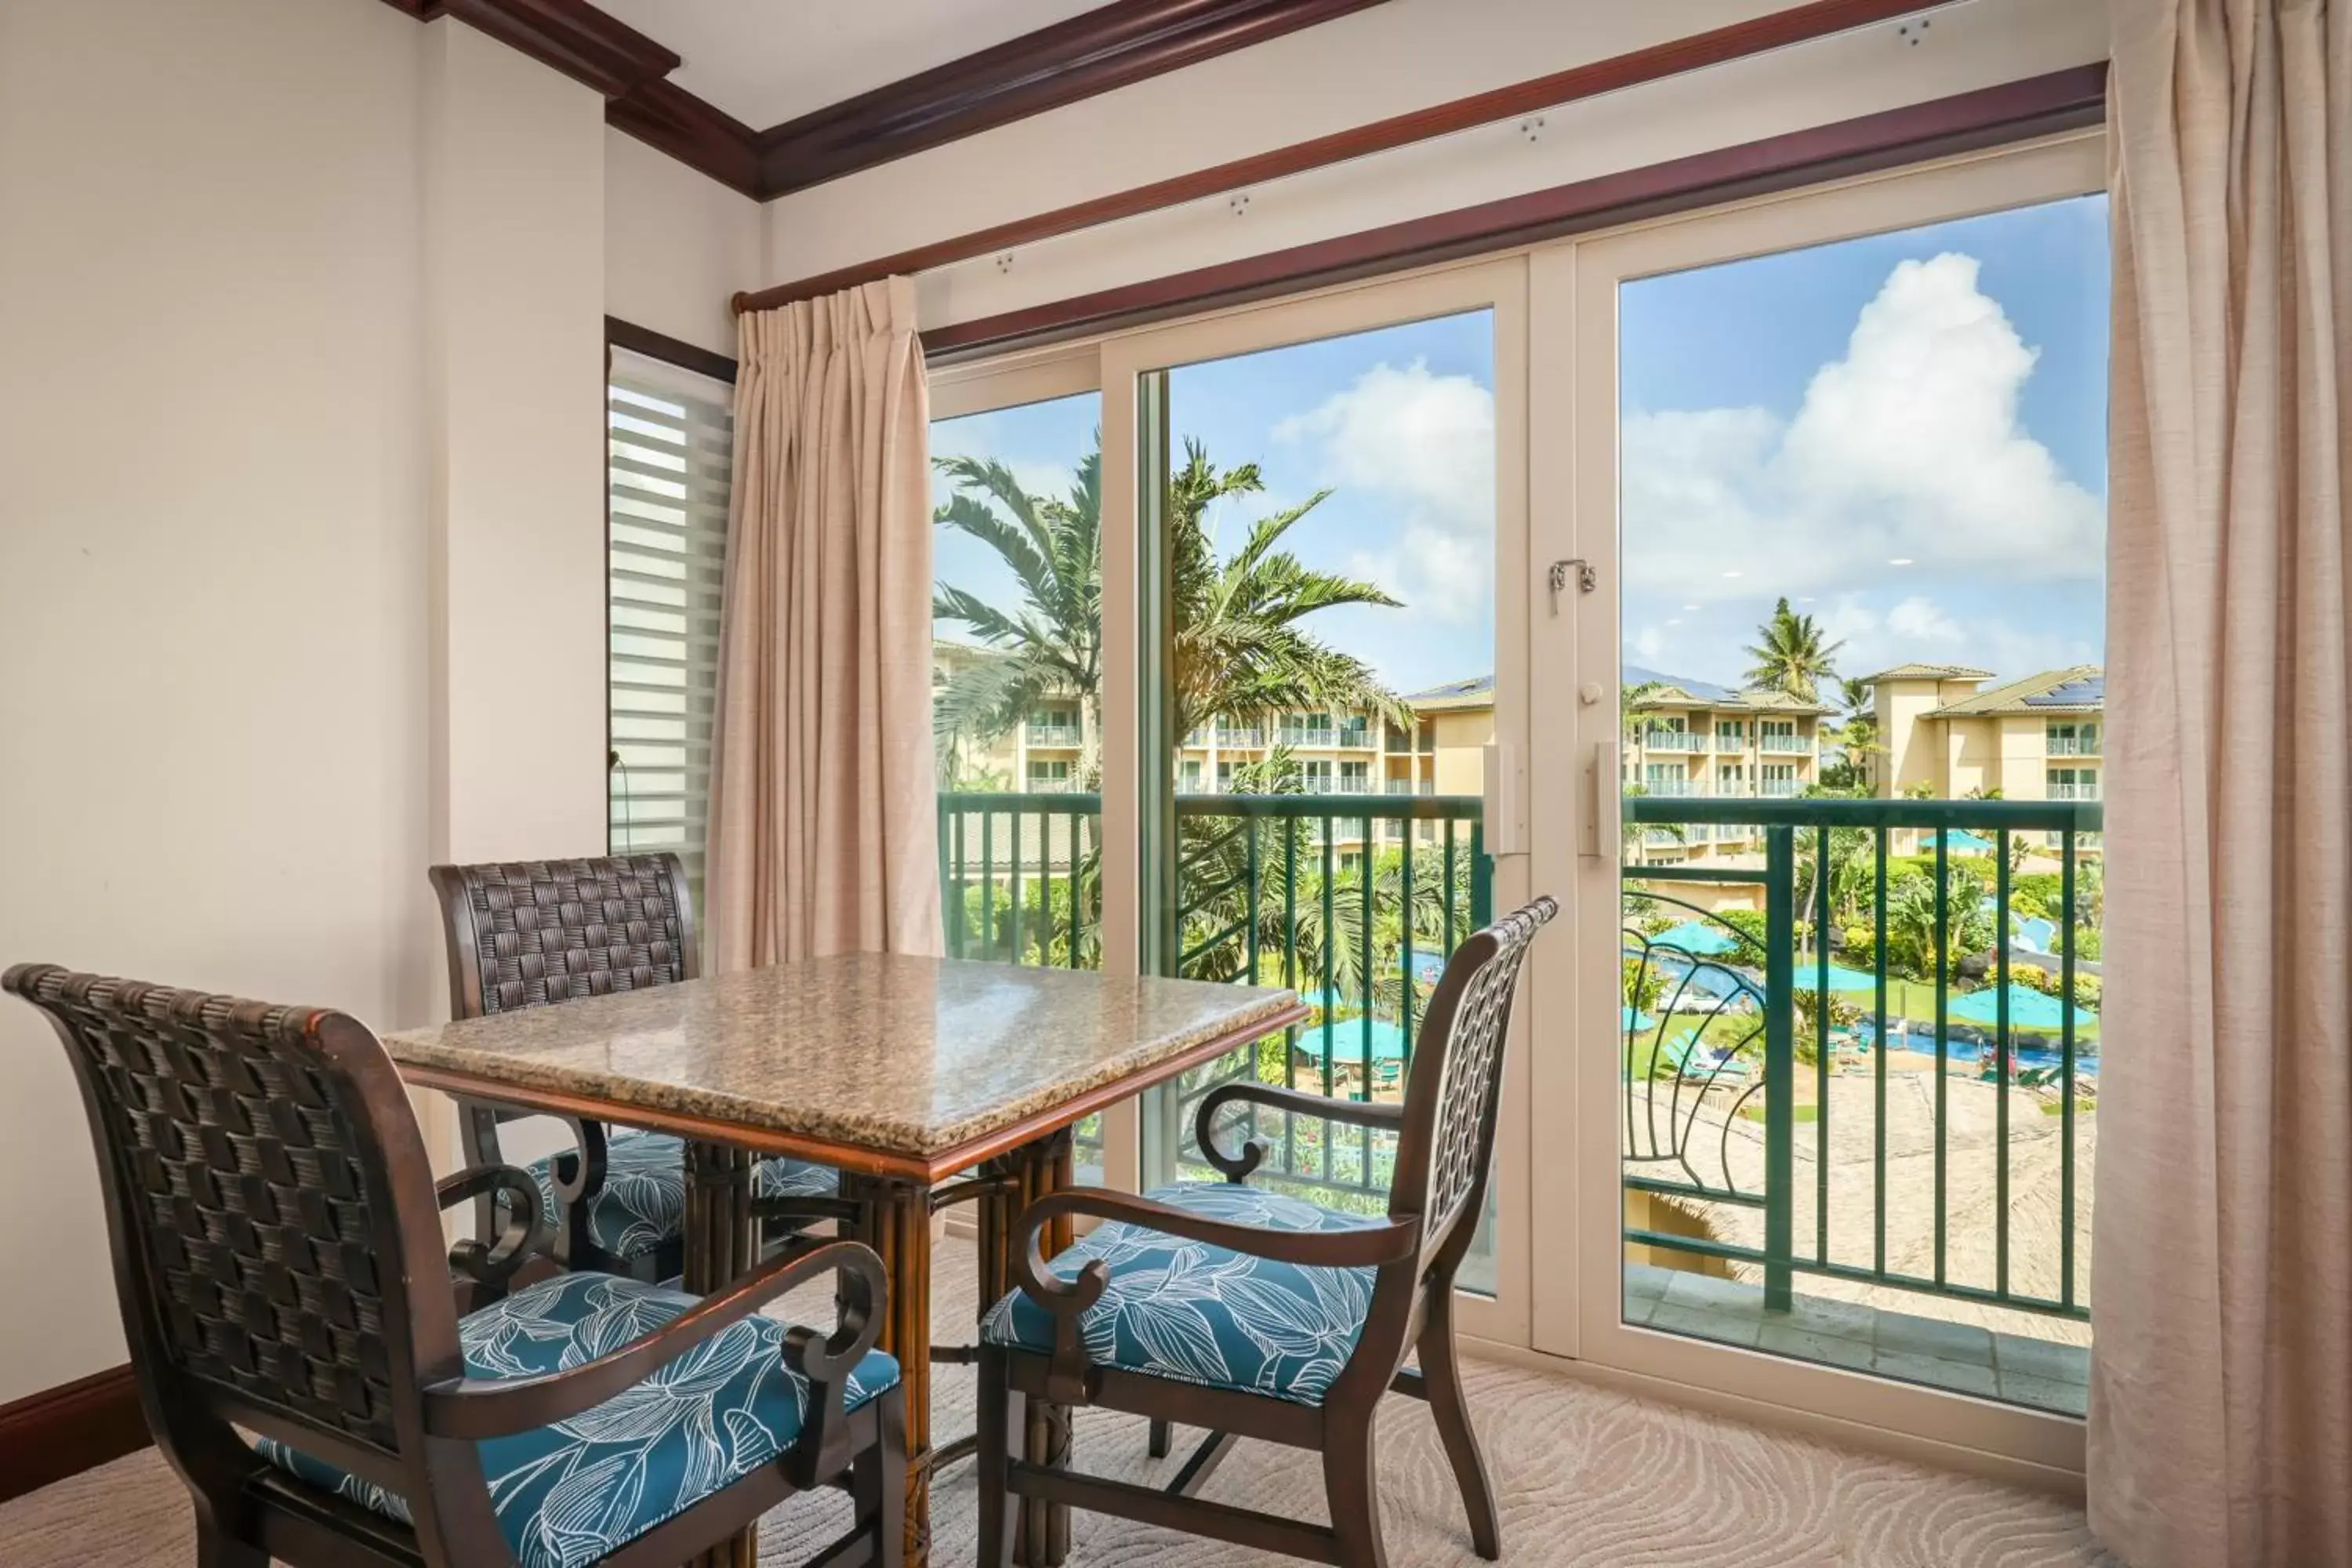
x=1455 y=690
x=2078 y=688
x=1929 y=672
x=1674 y=691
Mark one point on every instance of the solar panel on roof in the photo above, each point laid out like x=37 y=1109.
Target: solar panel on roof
x=2089 y=691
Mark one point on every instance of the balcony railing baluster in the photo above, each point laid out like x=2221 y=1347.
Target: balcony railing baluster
x=1700 y=1089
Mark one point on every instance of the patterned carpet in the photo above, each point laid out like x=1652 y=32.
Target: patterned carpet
x=1585 y=1477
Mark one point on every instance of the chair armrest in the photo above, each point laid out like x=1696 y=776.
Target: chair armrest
x=1238 y=1167
x=477 y=1408
x=1067 y=1299
x=526 y=1229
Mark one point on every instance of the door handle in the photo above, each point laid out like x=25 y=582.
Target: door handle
x=1599 y=834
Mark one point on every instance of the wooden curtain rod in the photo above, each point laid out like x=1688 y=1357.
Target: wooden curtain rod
x=2013 y=111
x=1720 y=46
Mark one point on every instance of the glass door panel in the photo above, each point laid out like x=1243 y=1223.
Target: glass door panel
x=1017 y=687
x=1320 y=520
x=1845 y=453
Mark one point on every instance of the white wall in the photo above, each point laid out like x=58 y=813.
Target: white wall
x=1387 y=60
x=677 y=245
x=213 y=576
x=301 y=538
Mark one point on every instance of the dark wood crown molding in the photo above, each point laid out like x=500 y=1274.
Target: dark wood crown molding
x=1695 y=51
x=1109 y=46
x=1990 y=117
x=1094 y=52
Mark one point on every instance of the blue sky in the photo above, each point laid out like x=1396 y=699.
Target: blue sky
x=1792 y=423
x=1799 y=422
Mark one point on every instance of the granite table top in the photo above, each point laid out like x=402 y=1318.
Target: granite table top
x=878 y=1061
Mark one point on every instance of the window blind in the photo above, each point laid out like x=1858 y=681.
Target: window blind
x=670 y=436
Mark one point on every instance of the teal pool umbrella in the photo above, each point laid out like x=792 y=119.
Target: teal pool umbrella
x=2028 y=1008
x=1629 y=1019
x=1841 y=978
x=1960 y=841
x=1347 y=1036
x=1701 y=937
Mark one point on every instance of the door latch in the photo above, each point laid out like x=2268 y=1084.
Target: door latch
x=1588 y=578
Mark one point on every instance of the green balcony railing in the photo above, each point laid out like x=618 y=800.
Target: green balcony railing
x=1342 y=899
x=1763 y=1008
x=1307 y=892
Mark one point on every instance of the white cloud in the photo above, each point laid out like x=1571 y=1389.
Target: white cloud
x=1909 y=446
x=1426 y=443
x=1917 y=627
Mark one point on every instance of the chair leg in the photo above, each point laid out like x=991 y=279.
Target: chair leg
x=1163 y=1437
x=1351 y=1481
x=215 y=1548
x=878 y=1483
x=1004 y=1430
x=1442 y=1374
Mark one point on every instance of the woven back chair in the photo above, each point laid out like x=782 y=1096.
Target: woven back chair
x=280 y=1268
x=1296 y=1319
x=531 y=934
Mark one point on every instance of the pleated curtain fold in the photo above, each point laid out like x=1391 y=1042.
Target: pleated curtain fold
x=822 y=806
x=2220 y=1414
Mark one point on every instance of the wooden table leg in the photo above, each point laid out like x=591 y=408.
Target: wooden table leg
x=897 y=1224
x=722 y=1243
x=1042 y=1538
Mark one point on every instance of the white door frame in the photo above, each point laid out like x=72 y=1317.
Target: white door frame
x=1573 y=392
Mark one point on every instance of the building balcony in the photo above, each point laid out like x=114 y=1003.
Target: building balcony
x=2072 y=791
x=1784 y=743
x=2073 y=745
x=1051 y=736
x=1671 y=741
x=1237 y=735
x=1674 y=789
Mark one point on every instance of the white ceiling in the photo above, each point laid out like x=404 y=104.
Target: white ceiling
x=767 y=61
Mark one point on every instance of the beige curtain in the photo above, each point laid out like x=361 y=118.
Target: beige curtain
x=822 y=825
x=2221 y=1420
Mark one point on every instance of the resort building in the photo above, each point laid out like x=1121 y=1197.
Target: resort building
x=1943 y=734
x=1692 y=738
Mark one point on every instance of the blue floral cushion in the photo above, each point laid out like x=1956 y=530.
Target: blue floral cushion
x=643 y=1201
x=1207 y=1315
x=578 y=1491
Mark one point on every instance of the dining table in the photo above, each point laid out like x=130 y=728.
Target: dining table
x=926 y=1082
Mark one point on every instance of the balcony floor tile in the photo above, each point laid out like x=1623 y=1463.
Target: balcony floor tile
x=1905 y=1335
x=2017 y=1354
x=1959 y=1376
x=2045 y=1393
x=1959 y=1357
x=1732 y=1328
x=1828 y=1349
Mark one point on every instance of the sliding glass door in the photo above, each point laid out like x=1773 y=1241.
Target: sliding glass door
x=1736 y=579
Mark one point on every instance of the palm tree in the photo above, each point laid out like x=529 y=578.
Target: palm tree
x=1791 y=655
x=1237 y=645
x=1237 y=648
x=1052 y=644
